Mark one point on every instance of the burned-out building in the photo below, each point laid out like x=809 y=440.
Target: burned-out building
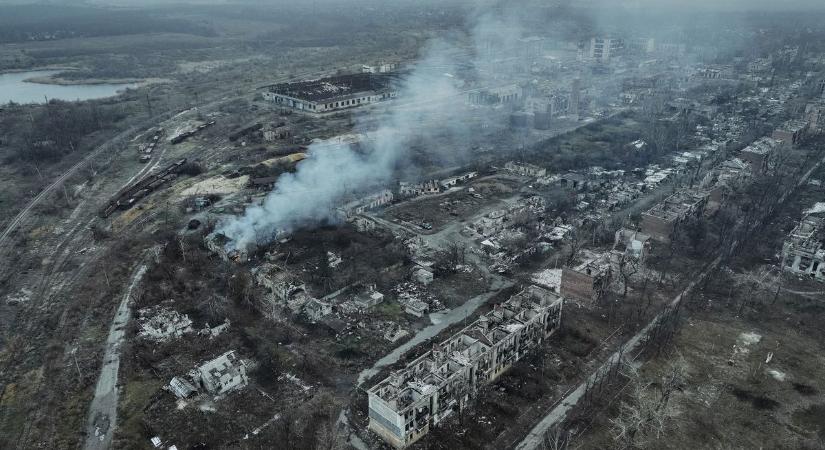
x=333 y=93
x=504 y=95
x=760 y=153
x=456 y=179
x=791 y=132
x=430 y=187
x=525 y=169
x=407 y=404
x=285 y=289
x=587 y=281
x=729 y=176
x=163 y=323
x=221 y=245
x=355 y=207
x=803 y=252
x=661 y=221
x=632 y=243
x=514 y=214
x=604 y=48
x=815 y=115
x=225 y=373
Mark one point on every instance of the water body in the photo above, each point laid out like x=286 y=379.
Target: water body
x=13 y=88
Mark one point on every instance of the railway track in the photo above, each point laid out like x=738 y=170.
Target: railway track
x=55 y=281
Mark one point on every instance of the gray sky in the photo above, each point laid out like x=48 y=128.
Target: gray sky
x=740 y=5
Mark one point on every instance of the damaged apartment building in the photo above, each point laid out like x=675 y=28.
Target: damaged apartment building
x=333 y=93
x=803 y=252
x=407 y=404
x=525 y=169
x=760 y=154
x=662 y=221
x=587 y=281
x=791 y=132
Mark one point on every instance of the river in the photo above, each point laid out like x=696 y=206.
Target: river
x=13 y=88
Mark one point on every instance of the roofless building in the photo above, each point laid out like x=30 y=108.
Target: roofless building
x=333 y=93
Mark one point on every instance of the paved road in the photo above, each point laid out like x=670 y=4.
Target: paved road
x=103 y=411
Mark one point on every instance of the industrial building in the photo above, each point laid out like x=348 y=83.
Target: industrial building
x=333 y=93
x=404 y=406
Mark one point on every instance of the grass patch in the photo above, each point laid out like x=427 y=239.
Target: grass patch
x=136 y=397
x=812 y=418
x=388 y=310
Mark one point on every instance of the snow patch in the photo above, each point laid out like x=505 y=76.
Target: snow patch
x=777 y=375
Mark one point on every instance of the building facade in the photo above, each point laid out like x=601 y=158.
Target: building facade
x=587 y=281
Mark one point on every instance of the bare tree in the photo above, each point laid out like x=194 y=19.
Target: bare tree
x=643 y=417
x=556 y=438
x=628 y=266
x=574 y=247
x=448 y=259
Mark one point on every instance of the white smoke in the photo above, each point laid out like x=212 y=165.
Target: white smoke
x=430 y=103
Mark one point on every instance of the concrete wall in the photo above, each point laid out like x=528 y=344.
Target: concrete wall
x=576 y=285
x=657 y=228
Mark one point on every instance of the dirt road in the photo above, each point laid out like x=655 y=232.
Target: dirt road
x=103 y=411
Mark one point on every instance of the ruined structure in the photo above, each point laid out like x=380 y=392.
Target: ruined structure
x=633 y=243
x=791 y=132
x=503 y=95
x=815 y=115
x=285 y=288
x=730 y=175
x=661 y=221
x=760 y=153
x=803 y=252
x=163 y=323
x=498 y=220
x=456 y=179
x=368 y=297
x=602 y=49
x=333 y=93
x=220 y=244
x=355 y=207
x=404 y=406
x=415 y=189
x=222 y=374
x=587 y=281
x=525 y=169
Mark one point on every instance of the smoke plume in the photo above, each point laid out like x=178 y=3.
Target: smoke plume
x=333 y=172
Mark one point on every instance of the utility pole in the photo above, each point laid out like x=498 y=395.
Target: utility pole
x=149 y=104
